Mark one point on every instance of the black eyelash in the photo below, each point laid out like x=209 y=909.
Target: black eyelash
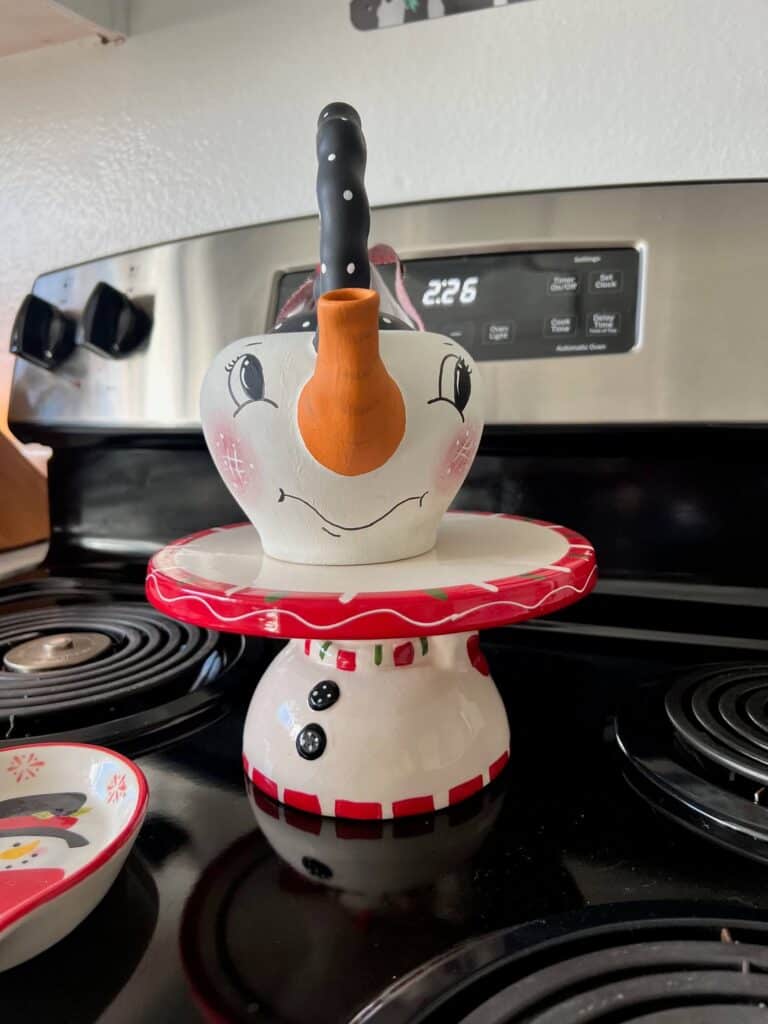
x=461 y=364
x=229 y=366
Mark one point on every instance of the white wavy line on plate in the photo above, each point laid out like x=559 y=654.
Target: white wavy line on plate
x=491 y=587
x=455 y=617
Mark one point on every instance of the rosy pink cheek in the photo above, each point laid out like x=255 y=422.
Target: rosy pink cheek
x=234 y=460
x=458 y=457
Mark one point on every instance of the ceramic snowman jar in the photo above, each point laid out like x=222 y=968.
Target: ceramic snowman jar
x=343 y=435
x=376 y=728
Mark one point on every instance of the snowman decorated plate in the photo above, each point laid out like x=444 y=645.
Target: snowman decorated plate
x=69 y=814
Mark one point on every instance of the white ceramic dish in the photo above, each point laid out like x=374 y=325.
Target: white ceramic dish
x=69 y=814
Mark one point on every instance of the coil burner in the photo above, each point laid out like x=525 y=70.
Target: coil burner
x=699 y=754
x=708 y=970
x=60 y=651
x=106 y=671
x=721 y=713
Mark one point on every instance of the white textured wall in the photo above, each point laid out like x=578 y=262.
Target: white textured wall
x=205 y=118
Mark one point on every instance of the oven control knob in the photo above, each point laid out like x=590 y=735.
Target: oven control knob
x=41 y=333
x=112 y=325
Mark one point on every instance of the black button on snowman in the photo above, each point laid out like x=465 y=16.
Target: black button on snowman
x=311 y=741
x=324 y=695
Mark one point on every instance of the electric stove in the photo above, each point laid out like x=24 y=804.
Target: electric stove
x=614 y=871
x=253 y=911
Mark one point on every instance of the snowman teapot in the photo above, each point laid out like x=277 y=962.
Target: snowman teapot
x=343 y=434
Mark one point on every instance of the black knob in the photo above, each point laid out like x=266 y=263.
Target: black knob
x=41 y=333
x=112 y=325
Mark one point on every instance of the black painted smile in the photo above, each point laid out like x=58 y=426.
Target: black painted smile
x=350 y=529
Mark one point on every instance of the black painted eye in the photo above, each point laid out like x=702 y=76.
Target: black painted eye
x=252 y=378
x=462 y=385
x=246 y=381
x=454 y=383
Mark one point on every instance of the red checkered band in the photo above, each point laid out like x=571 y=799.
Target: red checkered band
x=368 y=810
x=384 y=654
x=476 y=656
x=302 y=801
x=498 y=765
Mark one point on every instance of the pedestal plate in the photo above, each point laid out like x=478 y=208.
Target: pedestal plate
x=381 y=705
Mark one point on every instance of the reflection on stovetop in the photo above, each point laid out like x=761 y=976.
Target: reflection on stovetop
x=335 y=888
x=115 y=936
x=274 y=917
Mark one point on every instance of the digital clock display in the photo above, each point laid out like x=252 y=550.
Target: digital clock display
x=448 y=290
x=523 y=305
x=530 y=305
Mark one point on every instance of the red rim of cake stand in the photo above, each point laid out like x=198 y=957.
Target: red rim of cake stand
x=299 y=614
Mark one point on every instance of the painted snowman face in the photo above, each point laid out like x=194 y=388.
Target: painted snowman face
x=351 y=454
x=346 y=447
x=31 y=827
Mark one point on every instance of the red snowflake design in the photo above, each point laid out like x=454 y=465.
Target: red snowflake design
x=232 y=461
x=116 y=789
x=458 y=457
x=25 y=766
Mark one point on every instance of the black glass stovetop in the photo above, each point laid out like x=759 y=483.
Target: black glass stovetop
x=232 y=909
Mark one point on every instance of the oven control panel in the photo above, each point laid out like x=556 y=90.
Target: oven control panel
x=637 y=305
x=524 y=305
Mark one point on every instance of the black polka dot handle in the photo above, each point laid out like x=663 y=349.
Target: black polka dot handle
x=345 y=217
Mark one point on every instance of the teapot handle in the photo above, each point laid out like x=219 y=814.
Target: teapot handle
x=345 y=217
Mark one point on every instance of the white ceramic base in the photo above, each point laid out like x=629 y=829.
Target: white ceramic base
x=416 y=725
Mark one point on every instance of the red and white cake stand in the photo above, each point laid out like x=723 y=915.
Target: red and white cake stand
x=382 y=704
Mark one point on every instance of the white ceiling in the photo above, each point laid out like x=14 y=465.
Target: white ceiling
x=31 y=24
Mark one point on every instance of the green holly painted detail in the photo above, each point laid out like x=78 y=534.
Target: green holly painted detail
x=439 y=594
x=377 y=654
x=273 y=598
x=324 y=648
x=424 y=644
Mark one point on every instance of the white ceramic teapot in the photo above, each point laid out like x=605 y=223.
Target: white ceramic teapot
x=343 y=435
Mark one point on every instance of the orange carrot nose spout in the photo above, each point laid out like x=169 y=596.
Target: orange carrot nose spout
x=351 y=412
